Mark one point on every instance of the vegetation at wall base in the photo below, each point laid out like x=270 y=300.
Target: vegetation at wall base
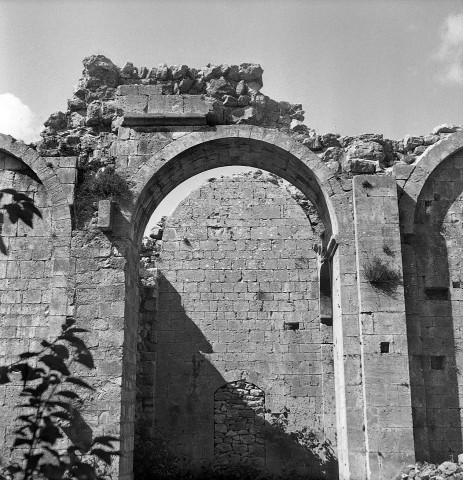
x=154 y=460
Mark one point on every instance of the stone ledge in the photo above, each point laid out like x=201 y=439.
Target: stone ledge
x=156 y=119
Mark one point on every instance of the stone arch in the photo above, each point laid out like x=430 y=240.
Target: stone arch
x=30 y=157
x=199 y=151
x=428 y=162
x=431 y=252
x=245 y=145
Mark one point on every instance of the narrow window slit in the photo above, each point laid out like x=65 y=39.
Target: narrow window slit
x=291 y=326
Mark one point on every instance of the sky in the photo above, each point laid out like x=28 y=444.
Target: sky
x=357 y=66
x=386 y=66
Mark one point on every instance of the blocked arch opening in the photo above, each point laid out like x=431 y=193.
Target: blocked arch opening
x=239 y=421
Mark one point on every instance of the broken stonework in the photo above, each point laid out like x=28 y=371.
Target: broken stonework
x=234 y=98
x=259 y=280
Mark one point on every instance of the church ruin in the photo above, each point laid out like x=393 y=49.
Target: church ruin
x=305 y=316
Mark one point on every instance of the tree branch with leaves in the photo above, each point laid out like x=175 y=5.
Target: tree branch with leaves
x=49 y=391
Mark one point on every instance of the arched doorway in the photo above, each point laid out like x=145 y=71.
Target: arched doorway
x=237 y=297
x=197 y=152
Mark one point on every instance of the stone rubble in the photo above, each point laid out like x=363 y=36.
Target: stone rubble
x=88 y=128
x=429 y=471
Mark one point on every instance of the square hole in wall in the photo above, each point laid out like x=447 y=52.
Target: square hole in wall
x=437 y=362
x=427 y=203
x=384 y=347
x=291 y=326
x=456 y=284
x=437 y=293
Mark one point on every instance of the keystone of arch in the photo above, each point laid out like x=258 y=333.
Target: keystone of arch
x=27 y=155
x=428 y=162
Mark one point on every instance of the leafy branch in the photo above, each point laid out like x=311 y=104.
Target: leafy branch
x=49 y=393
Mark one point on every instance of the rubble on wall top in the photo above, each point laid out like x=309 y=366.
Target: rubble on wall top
x=91 y=120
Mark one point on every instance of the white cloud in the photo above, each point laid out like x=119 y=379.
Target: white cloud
x=450 y=52
x=17 y=119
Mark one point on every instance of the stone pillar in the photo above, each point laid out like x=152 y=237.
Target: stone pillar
x=347 y=364
x=387 y=412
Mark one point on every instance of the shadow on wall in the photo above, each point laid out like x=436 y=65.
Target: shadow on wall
x=202 y=424
x=431 y=325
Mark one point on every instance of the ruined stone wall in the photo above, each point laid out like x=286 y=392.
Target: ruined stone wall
x=433 y=279
x=154 y=128
x=231 y=94
x=29 y=306
x=238 y=300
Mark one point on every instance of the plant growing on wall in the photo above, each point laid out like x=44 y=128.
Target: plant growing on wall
x=380 y=274
x=105 y=185
x=48 y=394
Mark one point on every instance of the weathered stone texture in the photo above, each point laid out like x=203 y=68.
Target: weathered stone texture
x=433 y=278
x=239 y=422
x=231 y=289
x=31 y=304
x=238 y=299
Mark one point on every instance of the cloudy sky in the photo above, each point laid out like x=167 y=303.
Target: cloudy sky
x=389 y=66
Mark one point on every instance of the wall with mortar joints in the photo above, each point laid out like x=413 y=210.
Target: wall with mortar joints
x=239 y=424
x=236 y=264
x=387 y=413
x=99 y=304
x=29 y=302
x=433 y=281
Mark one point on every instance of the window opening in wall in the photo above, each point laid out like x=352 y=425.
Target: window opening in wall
x=437 y=362
x=291 y=326
x=456 y=284
x=437 y=293
x=384 y=347
x=326 y=309
x=427 y=203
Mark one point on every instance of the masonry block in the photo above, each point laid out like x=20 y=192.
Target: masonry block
x=105 y=215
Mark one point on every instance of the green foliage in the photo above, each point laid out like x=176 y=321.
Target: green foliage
x=106 y=185
x=21 y=208
x=49 y=393
x=380 y=274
